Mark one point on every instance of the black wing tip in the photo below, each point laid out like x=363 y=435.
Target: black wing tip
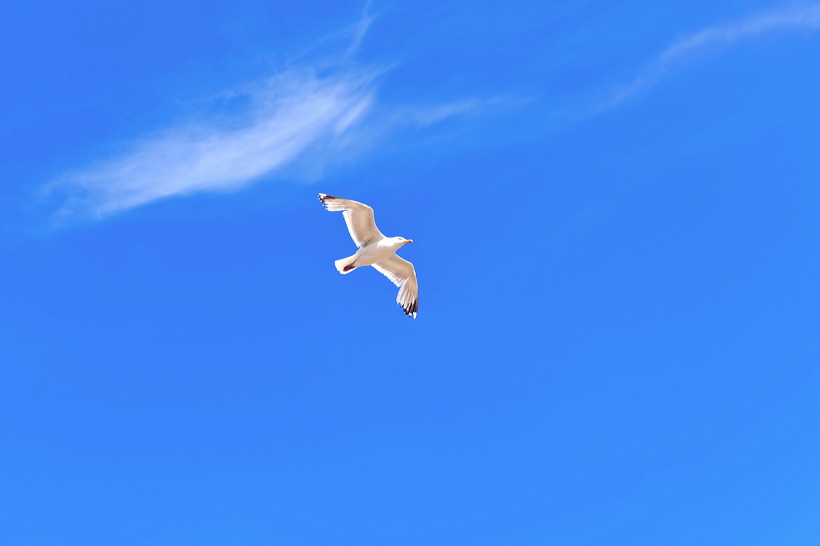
x=323 y=197
x=411 y=310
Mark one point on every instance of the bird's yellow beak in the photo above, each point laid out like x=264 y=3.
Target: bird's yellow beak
x=409 y=241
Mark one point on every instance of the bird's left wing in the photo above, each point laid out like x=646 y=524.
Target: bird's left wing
x=359 y=219
x=403 y=275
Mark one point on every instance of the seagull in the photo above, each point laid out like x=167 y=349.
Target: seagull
x=377 y=250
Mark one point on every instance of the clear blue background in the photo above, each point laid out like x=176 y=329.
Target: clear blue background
x=618 y=332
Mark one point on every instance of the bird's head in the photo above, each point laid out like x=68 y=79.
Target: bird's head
x=403 y=241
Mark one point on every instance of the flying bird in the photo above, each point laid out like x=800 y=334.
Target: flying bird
x=377 y=250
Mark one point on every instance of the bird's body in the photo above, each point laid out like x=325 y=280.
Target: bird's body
x=371 y=254
x=376 y=250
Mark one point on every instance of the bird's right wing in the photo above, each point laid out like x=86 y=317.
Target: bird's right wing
x=403 y=275
x=359 y=219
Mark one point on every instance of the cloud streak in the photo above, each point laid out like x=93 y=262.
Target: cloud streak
x=805 y=17
x=278 y=121
x=303 y=117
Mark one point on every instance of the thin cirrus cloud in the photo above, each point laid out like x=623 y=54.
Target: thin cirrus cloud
x=301 y=115
x=278 y=121
x=803 y=17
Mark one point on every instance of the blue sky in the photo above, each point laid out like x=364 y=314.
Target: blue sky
x=615 y=215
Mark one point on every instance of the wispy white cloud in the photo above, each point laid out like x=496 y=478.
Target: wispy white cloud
x=801 y=17
x=278 y=120
x=360 y=29
x=297 y=118
x=430 y=114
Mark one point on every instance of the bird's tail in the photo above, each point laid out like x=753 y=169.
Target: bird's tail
x=345 y=265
